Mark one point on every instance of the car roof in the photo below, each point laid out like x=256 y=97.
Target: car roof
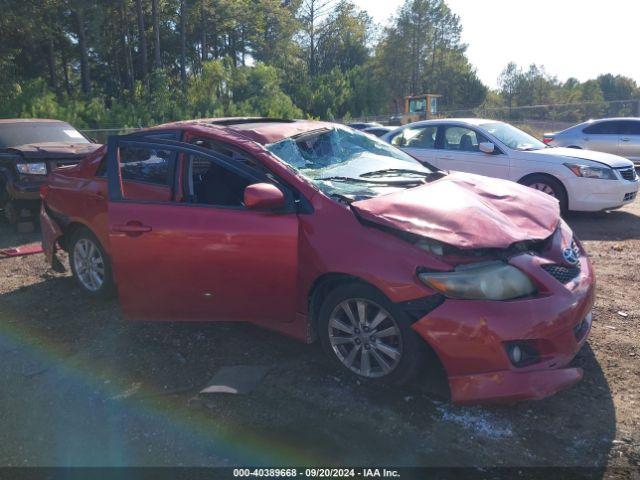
x=612 y=119
x=460 y=121
x=259 y=129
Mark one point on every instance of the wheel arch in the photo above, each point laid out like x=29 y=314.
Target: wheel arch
x=322 y=287
x=69 y=230
x=523 y=180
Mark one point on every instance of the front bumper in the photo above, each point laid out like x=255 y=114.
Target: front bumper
x=469 y=337
x=591 y=195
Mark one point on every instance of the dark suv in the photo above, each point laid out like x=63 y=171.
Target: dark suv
x=29 y=150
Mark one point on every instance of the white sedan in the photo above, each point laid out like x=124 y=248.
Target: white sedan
x=581 y=180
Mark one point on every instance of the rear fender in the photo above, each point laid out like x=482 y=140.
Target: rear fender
x=51 y=233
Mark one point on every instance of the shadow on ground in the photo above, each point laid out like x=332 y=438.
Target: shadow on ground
x=615 y=225
x=83 y=387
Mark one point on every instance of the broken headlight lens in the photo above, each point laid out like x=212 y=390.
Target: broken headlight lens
x=486 y=281
x=32 y=168
x=604 y=173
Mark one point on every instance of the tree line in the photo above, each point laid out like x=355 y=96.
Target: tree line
x=113 y=63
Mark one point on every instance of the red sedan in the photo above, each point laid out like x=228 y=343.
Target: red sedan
x=317 y=230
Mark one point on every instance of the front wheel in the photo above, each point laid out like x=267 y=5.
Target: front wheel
x=366 y=334
x=90 y=264
x=550 y=186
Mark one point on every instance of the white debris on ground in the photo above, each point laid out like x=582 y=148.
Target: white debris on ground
x=476 y=420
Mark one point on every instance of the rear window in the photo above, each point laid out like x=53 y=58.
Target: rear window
x=23 y=133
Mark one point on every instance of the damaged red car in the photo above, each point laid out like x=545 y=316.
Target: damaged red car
x=319 y=231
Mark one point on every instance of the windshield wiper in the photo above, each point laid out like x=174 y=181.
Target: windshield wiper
x=395 y=172
x=370 y=182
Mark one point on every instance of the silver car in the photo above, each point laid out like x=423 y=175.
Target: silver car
x=619 y=136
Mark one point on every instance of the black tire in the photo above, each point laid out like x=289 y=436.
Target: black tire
x=559 y=192
x=412 y=347
x=107 y=287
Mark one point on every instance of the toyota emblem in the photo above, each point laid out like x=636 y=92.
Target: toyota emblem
x=571 y=255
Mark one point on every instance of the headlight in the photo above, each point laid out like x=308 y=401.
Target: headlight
x=486 y=281
x=32 y=168
x=604 y=173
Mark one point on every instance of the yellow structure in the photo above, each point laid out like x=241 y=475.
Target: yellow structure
x=420 y=107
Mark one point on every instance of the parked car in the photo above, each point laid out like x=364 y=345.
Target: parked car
x=363 y=125
x=316 y=230
x=579 y=179
x=29 y=150
x=619 y=136
x=378 y=131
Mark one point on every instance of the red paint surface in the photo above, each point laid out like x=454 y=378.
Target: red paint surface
x=178 y=261
x=468 y=211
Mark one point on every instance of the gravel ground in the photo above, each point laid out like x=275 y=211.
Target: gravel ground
x=81 y=387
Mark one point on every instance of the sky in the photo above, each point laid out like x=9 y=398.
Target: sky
x=571 y=38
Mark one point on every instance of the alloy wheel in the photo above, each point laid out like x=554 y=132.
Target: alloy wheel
x=543 y=187
x=89 y=264
x=365 y=337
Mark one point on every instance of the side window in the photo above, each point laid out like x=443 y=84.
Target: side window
x=148 y=165
x=462 y=139
x=212 y=184
x=417 y=137
x=227 y=151
x=603 y=128
x=629 y=127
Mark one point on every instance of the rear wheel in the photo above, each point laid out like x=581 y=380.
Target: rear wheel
x=366 y=334
x=90 y=264
x=550 y=186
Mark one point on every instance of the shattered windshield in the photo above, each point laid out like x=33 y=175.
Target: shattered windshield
x=346 y=163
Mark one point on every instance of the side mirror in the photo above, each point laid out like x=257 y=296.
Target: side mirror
x=487 y=147
x=263 y=196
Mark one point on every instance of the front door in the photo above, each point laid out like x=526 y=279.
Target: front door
x=459 y=151
x=200 y=254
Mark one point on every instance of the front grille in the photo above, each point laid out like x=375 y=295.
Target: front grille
x=561 y=273
x=628 y=173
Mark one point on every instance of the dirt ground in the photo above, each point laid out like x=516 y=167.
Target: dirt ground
x=81 y=387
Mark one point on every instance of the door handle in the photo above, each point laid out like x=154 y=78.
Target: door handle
x=445 y=157
x=625 y=139
x=132 y=228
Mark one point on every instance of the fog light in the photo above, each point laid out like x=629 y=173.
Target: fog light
x=522 y=353
x=516 y=354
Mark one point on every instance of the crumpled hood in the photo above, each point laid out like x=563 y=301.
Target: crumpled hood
x=608 y=159
x=466 y=211
x=56 y=150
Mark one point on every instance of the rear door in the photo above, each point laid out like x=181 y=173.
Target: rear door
x=459 y=151
x=195 y=252
x=603 y=137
